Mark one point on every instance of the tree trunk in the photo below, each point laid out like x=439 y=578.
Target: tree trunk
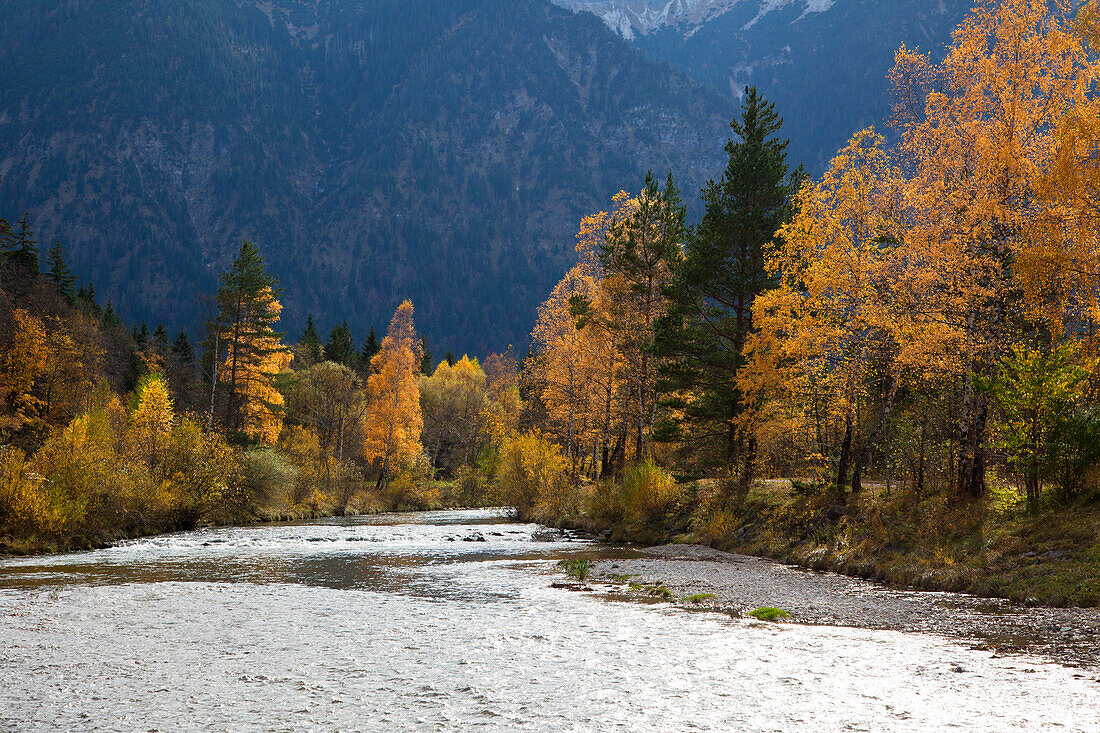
x=845 y=456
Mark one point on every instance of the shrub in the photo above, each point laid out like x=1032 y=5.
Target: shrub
x=534 y=479
x=648 y=493
x=411 y=486
x=268 y=476
x=578 y=569
x=470 y=487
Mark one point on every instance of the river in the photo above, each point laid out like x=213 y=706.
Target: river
x=408 y=622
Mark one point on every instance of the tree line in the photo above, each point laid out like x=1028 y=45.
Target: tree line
x=922 y=316
x=919 y=319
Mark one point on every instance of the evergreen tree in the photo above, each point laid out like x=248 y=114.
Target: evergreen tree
x=85 y=298
x=160 y=340
x=450 y=358
x=712 y=289
x=59 y=273
x=244 y=330
x=24 y=256
x=426 y=360
x=111 y=318
x=141 y=335
x=310 y=340
x=181 y=349
x=370 y=347
x=340 y=347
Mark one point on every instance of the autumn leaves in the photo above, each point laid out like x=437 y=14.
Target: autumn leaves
x=914 y=275
x=253 y=356
x=879 y=313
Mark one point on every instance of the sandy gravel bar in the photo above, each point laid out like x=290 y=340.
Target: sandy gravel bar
x=741 y=583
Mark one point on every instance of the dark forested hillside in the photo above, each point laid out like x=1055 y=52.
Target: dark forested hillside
x=823 y=62
x=373 y=149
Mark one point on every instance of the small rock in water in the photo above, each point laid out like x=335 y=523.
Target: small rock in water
x=475 y=537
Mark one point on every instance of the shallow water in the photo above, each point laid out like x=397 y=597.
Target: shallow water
x=395 y=623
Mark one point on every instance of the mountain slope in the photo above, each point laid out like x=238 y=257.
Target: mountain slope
x=823 y=62
x=374 y=151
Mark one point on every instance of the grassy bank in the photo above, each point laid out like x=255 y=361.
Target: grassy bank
x=988 y=548
x=993 y=547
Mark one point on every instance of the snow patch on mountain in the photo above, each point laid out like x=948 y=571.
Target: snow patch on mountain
x=629 y=18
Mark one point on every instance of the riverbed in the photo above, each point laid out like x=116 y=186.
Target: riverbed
x=448 y=621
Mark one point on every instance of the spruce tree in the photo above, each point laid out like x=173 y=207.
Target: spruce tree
x=24 y=255
x=712 y=289
x=110 y=318
x=340 y=347
x=311 y=340
x=370 y=347
x=181 y=349
x=160 y=340
x=426 y=359
x=58 y=272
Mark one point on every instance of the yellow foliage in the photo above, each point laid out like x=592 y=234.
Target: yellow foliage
x=534 y=478
x=152 y=416
x=394 y=421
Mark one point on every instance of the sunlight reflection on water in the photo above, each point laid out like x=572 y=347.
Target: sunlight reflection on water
x=398 y=623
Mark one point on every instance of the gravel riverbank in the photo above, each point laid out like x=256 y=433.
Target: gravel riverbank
x=740 y=583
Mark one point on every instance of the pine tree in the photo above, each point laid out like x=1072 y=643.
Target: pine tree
x=181 y=349
x=712 y=289
x=160 y=340
x=370 y=347
x=244 y=326
x=24 y=255
x=449 y=357
x=141 y=335
x=310 y=340
x=340 y=347
x=427 y=365
x=59 y=273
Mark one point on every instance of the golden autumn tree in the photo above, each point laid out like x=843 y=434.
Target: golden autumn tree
x=25 y=359
x=453 y=401
x=1062 y=281
x=824 y=337
x=151 y=417
x=978 y=135
x=394 y=420
x=243 y=331
x=628 y=252
x=567 y=372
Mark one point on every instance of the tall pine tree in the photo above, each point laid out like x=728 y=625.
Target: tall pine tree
x=59 y=273
x=370 y=347
x=340 y=346
x=244 y=329
x=310 y=341
x=710 y=294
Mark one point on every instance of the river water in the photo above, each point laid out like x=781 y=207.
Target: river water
x=404 y=622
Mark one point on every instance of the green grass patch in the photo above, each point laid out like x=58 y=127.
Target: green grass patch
x=700 y=597
x=578 y=569
x=768 y=613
